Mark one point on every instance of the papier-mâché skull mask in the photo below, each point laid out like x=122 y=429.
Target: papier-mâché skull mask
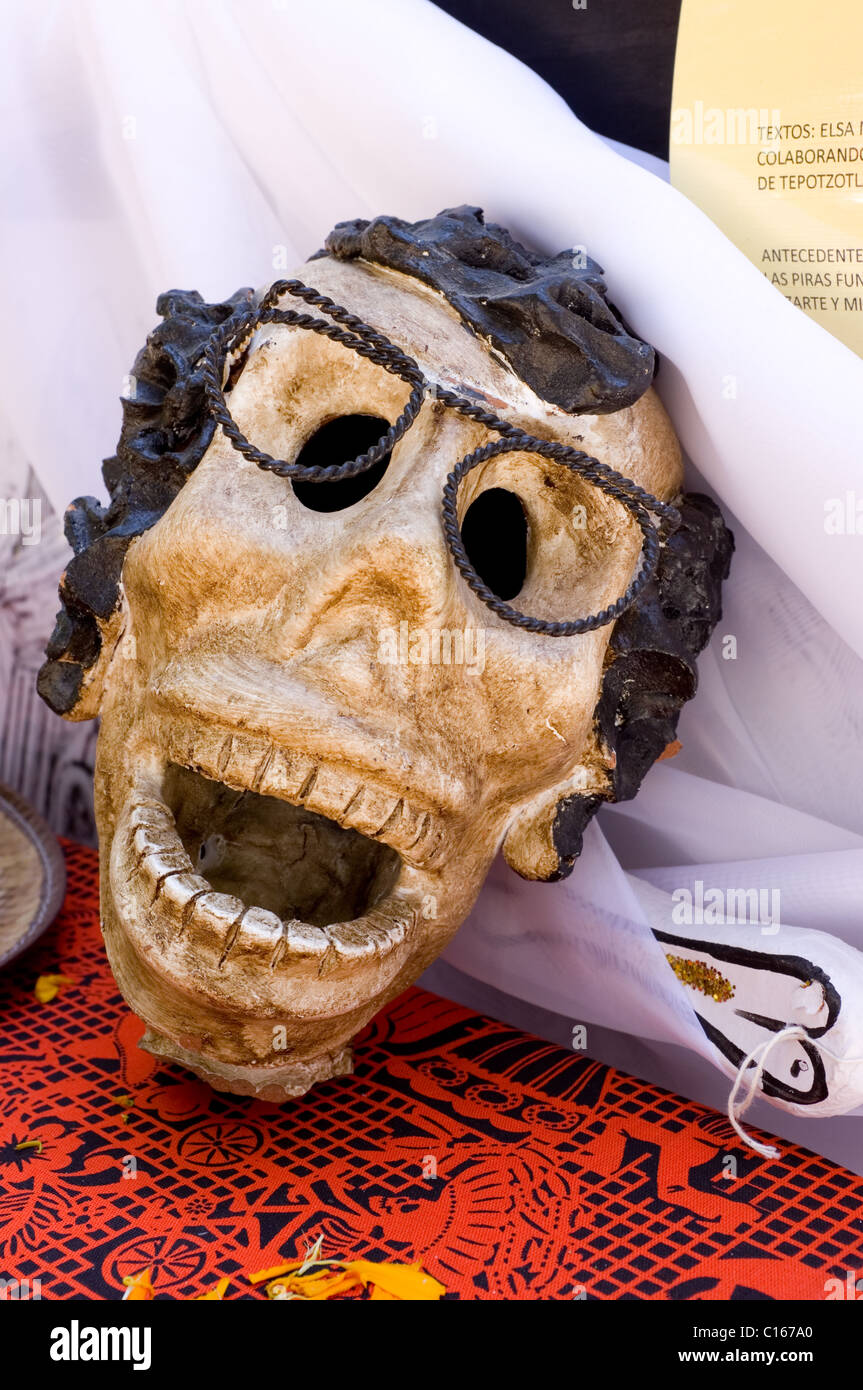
x=322 y=713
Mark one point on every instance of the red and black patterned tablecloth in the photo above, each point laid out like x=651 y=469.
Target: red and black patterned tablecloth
x=510 y=1168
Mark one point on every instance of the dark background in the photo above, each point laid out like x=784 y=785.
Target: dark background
x=612 y=62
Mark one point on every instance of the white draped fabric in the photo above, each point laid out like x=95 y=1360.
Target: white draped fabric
x=210 y=144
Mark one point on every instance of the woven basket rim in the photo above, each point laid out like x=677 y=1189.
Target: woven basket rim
x=53 y=886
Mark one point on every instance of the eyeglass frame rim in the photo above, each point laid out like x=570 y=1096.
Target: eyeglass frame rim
x=234 y=334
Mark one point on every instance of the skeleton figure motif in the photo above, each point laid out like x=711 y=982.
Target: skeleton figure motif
x=322 y=715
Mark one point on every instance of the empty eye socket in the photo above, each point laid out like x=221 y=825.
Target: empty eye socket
x=494 y=534
x=339 y=441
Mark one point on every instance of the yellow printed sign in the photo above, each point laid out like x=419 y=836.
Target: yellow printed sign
x=767 y=138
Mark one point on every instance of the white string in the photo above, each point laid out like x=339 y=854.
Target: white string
x=757 y=1059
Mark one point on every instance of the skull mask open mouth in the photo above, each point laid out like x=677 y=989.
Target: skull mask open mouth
x=322 y=714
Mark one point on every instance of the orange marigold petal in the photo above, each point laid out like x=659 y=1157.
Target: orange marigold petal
x=139 y=1287
x=314 y=1288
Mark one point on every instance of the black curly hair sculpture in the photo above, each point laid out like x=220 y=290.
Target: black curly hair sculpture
x=551 y=320
x=165 y=433
x=548 y=316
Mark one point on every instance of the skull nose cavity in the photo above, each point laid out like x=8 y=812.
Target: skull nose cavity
x=494 y=534
x=336 y=442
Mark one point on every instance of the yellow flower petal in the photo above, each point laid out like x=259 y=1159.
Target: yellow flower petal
x=49 y=986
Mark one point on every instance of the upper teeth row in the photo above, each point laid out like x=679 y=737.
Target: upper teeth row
x=252 y=764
